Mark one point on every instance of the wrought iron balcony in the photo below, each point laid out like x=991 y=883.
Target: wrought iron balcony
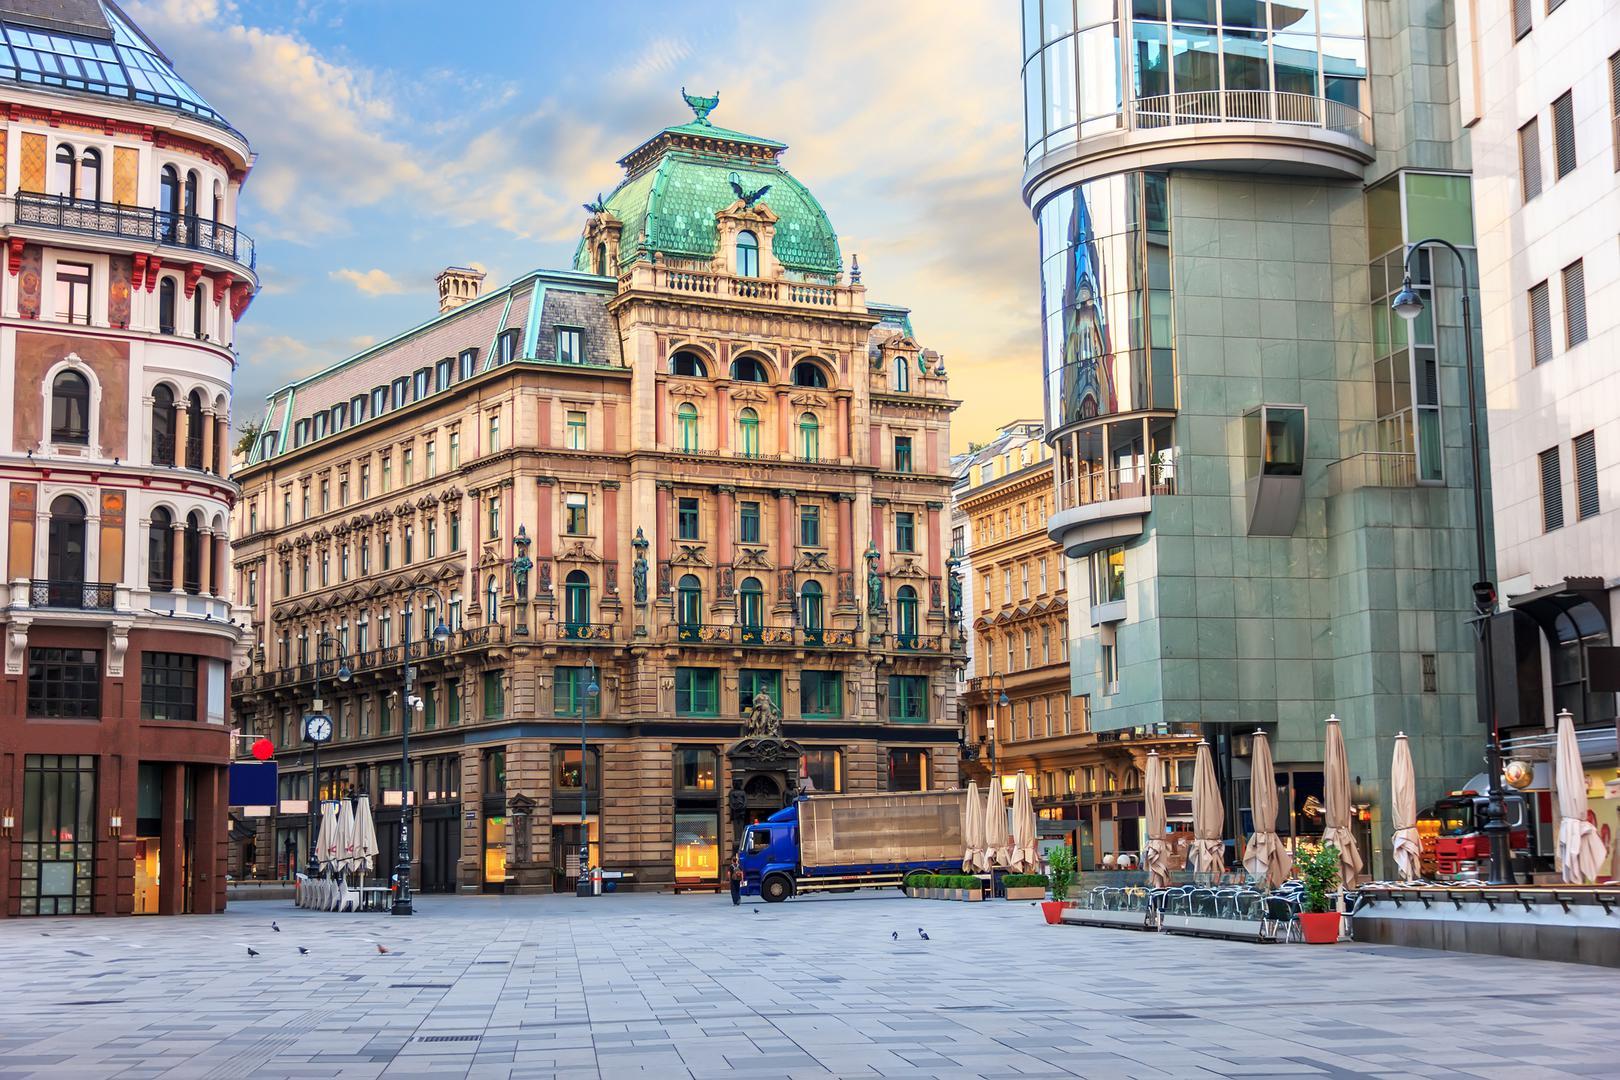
x=70 y=595
x=705 y=633
x=580 y=631
x=186 y=231
x=928 y=643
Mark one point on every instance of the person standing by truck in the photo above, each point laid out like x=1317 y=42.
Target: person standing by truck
x=735 y=873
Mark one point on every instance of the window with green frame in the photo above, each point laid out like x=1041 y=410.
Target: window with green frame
x=748 y=433
x=810 y=526
x=430 y=707
x=568 y=691
x=809 y=437
x=686 y=421
x=697 y=691
x=452 y=702
x=494 y=695
x=821 y=694
x=905 y=531
x=902 y=453
x=751 y=681
x=686 y=518
x=748 y=523
x=908 y=698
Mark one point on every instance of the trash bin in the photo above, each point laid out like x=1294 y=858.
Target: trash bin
x=596 y=881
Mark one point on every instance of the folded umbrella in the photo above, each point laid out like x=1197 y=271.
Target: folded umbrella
x=1265 y=857
x=1580 y=848
x=972 y=827
x=1156 y=855
x=1408 y=846
x=1209 y=815
x=1336 y=811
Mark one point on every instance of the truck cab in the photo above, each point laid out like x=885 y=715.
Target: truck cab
x=770 y=855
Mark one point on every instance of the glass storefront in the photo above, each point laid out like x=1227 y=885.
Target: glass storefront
x=58 y=834
x=697 y=846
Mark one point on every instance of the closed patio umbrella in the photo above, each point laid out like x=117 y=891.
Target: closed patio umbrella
x=1209 y=815
x=1336 y=812
x=1580 y=848
x=995 y=827
x=1265 y=858
x=327 y=843
x=365 y=836
x=1023 y=858
x=1403 y=813
x=972 y=827
x=1156 y=855
x=344 y=860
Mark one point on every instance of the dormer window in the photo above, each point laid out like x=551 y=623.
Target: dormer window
x=601 y=260
x=300 y=433
x=357 y=407
x=570 y=345
x=902 y=375
x=379 y=400
x=469 y=363
x=402 y=392
x=424 y=379
x=506 y=347
x=340 y=416
x=320 y=425
x=747 y=254
x=441 y=373
x=267 y=446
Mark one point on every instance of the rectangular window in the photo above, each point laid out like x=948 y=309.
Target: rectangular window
x=1540 y=324
x=1530 y=160
x=494 y=695
x=1006 y=585
x=821 y=694
x=748 y=523
x=1108 y=576
x=1110 y=669
x=568 y=692
x=506 y=347
x=697 y=691
x=1521 y=18
x=810 y=526
x=908 y=699
x=576 y=437
x=1552 y=490
x=441 y=374
x=686 y=516
x=494 y=433
x=570 y=345
x=407 y=466
x=1563 y=112
x=452 y=700
x=1043 y=575
x=1586 y=481
x=1614 y=107
x=455 y=532
x=905 y=531
x=326 y=496
x=825 y=768
x=697 y=770
x=752 y=681
x=578 y=514
x=365 y=481
x=168 y=686
x=64 y=683
x=430 y=707
x=468 y=362
x=1574 y=276
x=1023 y=574
x=455 y=449
x=387 y=474
x=902 y=453
x=432 y=529
x=73 y=292
x=908 y=770
x=432 y=458
x=494 y=517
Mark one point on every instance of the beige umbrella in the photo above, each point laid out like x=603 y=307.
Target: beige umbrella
x=972 y=828
x=344 y=861
x=995 y=828
x=366 y=847
x=327 y=846
x=1265 y=858
x=1580 y=848
x=1408 y=845
x=1209 y=815
x=1336 y=812
x=1023 y=858
x=1156 y=855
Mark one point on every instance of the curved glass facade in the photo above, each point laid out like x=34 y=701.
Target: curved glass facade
x=1190 y=61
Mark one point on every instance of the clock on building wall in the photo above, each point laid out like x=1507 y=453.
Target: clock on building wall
x=317 y=728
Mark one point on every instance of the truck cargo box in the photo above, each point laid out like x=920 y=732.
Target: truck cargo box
x=869 y=830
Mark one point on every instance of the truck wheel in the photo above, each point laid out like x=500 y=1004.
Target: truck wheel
x=776 y=888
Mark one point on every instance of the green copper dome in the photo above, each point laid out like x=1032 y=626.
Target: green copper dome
x=680 y=178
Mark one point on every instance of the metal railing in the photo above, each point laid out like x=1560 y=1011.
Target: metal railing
x=928 y=643
x=163 y=450
x=1373 y=469
x=1251 y=106
x=71 y=595
x=1106 y=485
x=578 y=631
x=187 y=231
x=389 y=656
x=194 y=452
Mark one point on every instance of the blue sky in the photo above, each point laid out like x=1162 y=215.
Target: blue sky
x=395 y=137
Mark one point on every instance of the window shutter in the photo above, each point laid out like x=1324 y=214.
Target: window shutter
x=1540 y=324
x=1563 y=111
x=1521 y=18
x=1552 y=491
x=1574 y=304
x=1586 y=482
x=1530 y=160
x=1614 y=106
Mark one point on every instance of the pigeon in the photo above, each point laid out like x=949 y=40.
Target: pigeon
x=252 y=951
x=302 y=951
x=274 y=927
x=895 y=936
x=382 y=949
x=922 y=933
x=754 y=910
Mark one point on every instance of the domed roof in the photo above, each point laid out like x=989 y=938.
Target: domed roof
x=93 y=47
x=680 y=178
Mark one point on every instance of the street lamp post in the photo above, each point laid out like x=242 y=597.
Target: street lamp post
x=402 y=861
x=1002 y=701
x=1408 y=304
x=587 y=694
x=317 y=705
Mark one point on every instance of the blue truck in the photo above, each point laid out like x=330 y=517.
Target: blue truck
x=827 y=843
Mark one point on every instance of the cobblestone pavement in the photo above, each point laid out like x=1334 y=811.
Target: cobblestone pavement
x=676 y=986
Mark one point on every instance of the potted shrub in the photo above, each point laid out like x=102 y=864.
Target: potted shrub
x=1024 y=887
x=1319 y=868
x=1060 y=874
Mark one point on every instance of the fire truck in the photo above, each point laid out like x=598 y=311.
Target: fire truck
x=1454 y=837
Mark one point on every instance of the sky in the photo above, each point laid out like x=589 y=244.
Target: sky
x=397 y=137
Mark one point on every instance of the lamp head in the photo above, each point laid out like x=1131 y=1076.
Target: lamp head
x=441 y=633
x=1004 y=700
x=344 y=674
x=591 y=689
x=1407 y=303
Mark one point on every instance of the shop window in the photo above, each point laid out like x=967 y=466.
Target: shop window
x=64 y=684
x=825 y=768
x=908 y=770
x=697 y=770
x=697 y=846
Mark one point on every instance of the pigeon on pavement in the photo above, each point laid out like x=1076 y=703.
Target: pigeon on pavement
x=252 y=951
x=895 y=936
x=922 y=933
x=274 y=927
x=302 y=951
x=382 y=949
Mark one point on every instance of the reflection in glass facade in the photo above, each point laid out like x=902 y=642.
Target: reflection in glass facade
x=1190 y=61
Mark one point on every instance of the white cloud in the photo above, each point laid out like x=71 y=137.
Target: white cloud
x=373 y=282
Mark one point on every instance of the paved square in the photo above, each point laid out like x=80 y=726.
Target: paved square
x=677 y=986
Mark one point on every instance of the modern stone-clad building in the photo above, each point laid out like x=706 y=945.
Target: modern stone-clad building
x=694 y=468
x=125 y=279
x=1224 y=195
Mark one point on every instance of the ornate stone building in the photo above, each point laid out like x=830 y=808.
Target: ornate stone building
x=696 y=467
x=125 y=278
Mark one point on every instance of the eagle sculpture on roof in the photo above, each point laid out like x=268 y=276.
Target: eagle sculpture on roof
x=748 y=198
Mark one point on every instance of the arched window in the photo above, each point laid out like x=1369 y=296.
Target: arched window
x=197 y=312
x=811 y=612
x=686 y=419
x=64 y=176
x=809 y=437
x=905 y=610
x=688 y=363
x=752 y=609
x=162 y=425
x=748 y=433
x=191 y=558
x=689 y=602
x=601 y=259
x=748 y=369
x=169 y=201
x=90 y=175
x=493 y=596
x=70 y=408
x=166 y=305
x=747 y=254
x=64 y=561
x=902 y=375
x=194 y=423
x=160 y=551
x=190 y=209
x=806 y=373
x=577 y=599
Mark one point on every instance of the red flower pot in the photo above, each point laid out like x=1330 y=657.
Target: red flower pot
x=1053 y=910
x=1319 y=927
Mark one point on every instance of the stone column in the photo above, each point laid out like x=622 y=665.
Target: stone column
x=722 y=417
x=843 y=427
x=660 y=420
x=208 y=441
x=877 y=523
x=663 y=529
x=222 y=444
x=784 y=425
x=177 y=556
x=612 y=535
x=171 y=885
x=221 y=561
x=725 y=512
x=205 y=570
x=846 y=549
x=784 y=549
x=932 y=540
x=182 y=432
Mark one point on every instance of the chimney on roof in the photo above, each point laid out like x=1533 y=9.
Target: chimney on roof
x=458 y=285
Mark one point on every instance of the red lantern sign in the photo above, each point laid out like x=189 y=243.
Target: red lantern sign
x=263 y=749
